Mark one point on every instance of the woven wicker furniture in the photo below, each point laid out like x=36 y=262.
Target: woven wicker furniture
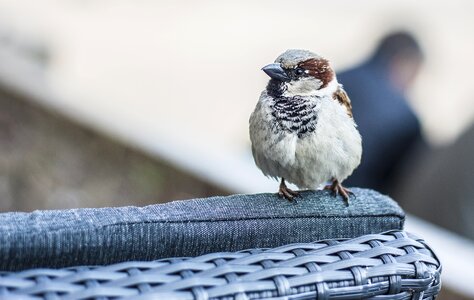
x=394 y=265
x=46 y=254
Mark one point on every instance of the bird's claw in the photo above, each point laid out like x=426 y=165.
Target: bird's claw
x=287 y=193
x=337 y=188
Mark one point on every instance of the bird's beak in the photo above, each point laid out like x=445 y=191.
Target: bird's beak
x=275 y=71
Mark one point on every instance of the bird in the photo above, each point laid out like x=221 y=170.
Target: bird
x=302 y=129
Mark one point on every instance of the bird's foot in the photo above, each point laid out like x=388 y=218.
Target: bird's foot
x=337 y=188
x=287 y=193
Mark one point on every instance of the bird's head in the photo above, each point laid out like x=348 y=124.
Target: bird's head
x=300 y=73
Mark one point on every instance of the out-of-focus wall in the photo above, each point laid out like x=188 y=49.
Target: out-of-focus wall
x=49 y=162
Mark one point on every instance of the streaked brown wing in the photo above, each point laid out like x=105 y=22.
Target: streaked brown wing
x=341 y=96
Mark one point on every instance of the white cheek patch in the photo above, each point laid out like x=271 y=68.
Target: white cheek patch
x=304 y=87
x=310 y=87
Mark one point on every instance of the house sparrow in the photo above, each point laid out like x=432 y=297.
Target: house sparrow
x=302 y=129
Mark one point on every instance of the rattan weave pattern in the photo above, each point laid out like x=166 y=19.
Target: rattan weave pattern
x=393 y=265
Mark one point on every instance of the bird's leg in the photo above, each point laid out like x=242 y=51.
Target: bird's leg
x=337 y=188
x=284 y=191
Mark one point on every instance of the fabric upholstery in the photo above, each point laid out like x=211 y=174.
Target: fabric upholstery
x=100 y=236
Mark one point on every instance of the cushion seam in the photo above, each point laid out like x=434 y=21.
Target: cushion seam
x=399 y=217
x=95 y=227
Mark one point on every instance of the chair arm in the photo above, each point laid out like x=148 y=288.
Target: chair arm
x=101 y=236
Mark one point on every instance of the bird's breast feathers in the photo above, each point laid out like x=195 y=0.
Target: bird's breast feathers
x=287 y=132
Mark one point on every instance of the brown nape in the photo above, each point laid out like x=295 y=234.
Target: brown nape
x=318 y=68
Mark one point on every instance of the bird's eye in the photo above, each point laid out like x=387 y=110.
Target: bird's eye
x=299 y=71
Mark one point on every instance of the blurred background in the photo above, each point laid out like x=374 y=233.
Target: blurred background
x=109 y=103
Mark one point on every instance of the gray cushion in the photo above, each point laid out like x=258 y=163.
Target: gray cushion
x=100 y=236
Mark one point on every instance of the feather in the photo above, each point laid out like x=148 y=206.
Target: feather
x=341 y=96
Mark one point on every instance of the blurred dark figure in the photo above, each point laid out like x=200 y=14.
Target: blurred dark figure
x=388 y=125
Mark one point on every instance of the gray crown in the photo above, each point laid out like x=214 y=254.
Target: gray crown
x=292 y=57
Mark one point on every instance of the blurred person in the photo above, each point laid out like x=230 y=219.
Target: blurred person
x=389 y=127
